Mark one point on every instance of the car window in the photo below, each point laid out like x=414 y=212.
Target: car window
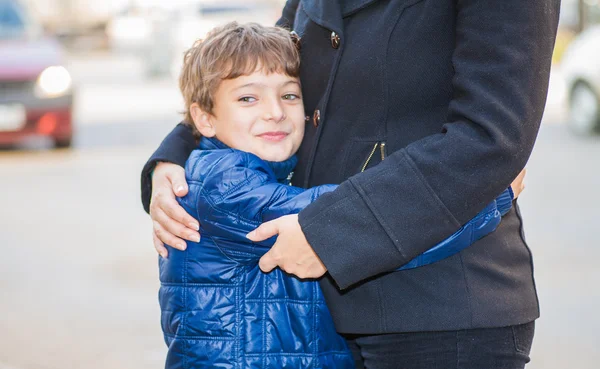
x=207 y=9
x=11 y=19
x=10 y=15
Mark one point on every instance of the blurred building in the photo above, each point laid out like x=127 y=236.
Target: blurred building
x=77 y=17
x=577 y=15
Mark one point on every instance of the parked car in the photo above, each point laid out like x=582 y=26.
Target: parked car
x=36 y=93
x=581 y=68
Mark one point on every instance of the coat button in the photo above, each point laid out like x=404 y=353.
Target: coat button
x=317 y=117
x=296 y=39
x=335 y=40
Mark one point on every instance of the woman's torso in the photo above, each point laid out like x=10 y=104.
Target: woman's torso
x=391 y=84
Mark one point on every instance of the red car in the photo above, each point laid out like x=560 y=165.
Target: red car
x=36 y=93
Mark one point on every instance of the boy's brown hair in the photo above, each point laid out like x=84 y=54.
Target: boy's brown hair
x=231 y=51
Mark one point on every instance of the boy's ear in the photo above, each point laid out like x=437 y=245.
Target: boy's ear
x=202 y=121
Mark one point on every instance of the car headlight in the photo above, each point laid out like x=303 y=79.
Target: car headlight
x=54 y=81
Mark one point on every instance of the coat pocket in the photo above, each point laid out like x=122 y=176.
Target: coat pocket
x=362 y=155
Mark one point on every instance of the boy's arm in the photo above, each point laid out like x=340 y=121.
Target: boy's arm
x=175 y=148
x=291 y=200
x=240 y=193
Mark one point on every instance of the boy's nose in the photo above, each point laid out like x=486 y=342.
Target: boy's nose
x=275 y=112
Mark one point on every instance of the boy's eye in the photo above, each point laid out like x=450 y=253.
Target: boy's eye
x=290 y=97
x=247 y=99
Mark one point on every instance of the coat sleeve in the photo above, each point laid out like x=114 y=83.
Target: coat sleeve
x=380 y=219
x=175 y=148
x=484 y=223
x=288 y=15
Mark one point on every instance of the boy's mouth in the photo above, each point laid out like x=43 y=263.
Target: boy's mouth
x=273 y=136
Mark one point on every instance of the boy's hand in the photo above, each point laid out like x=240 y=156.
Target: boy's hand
x=171 y=222
x=518 y=185
x=291 y=252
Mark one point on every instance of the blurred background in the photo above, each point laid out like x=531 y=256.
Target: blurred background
x=87 y=91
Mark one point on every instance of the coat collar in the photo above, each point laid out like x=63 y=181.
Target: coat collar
x=352 y=6
x=281 y=169
x=329 y=13
x=326 y=13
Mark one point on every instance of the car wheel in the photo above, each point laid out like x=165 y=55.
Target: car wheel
x=63 y=143
x=584 y=110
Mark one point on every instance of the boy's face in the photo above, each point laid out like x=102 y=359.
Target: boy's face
x=258 y=113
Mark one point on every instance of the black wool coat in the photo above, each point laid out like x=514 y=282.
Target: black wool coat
x=424 y=111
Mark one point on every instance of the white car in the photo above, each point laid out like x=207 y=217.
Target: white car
x=581 y=68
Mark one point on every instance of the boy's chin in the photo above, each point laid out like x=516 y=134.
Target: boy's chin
x=275 y=155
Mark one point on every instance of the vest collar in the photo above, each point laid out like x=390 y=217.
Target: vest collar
x=281 y=169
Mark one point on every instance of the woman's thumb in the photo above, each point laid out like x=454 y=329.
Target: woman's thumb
x=264 y=231
x=180 y=187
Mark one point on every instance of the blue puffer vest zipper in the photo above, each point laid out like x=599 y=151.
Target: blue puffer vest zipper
x=218 y=310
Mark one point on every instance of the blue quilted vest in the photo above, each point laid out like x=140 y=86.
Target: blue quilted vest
x=218 y=310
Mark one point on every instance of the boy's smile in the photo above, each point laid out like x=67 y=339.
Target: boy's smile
x=258 y=113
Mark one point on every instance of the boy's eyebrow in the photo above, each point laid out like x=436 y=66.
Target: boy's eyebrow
x=291 y=82
x=263 y=85
x=248 y=85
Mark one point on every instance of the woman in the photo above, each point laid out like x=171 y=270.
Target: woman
x=424 y=111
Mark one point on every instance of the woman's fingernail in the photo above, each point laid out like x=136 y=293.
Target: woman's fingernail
x=180 y=189
x=194 y=226
x=194 y=237
x=250 y=235
x=182 y=246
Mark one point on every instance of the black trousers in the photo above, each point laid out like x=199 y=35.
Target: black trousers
x=489 y=348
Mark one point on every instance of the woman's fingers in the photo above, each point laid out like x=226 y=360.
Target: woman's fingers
x=174 y=226
x=167 y=181
x=518 y=185
x=177 y=213
x=159 y=246
x=167 y=237
x=175 y=176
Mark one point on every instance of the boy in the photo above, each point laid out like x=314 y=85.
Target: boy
x=244 y=101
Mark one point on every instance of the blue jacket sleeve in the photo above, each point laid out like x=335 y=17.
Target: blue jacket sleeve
x=291 y=200
x=240 y=193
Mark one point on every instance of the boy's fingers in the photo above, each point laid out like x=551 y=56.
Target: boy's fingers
x=159 y=246
x=168 y=238
x=264 y=231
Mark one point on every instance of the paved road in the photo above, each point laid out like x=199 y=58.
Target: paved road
x=78 y=275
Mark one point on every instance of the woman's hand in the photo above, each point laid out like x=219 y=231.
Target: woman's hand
x=518 y=185
x=291 y=252
x=172 y=224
